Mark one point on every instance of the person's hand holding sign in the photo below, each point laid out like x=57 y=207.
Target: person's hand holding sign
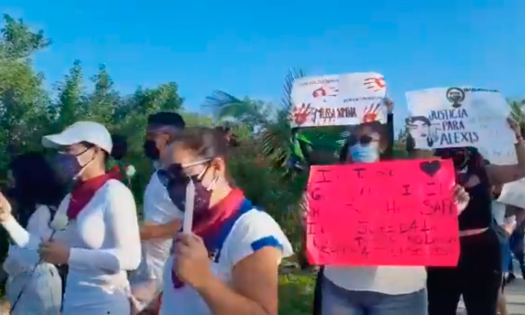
x=516 y=128
x=461 y=198
x=389 y=106
x=5 y=209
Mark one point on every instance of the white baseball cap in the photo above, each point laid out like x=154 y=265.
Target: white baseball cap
x=81 y=131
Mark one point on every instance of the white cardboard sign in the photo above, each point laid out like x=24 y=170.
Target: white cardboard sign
x=338 y=100
x=459 y=117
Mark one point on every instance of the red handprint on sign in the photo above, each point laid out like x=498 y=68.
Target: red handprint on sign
x=371 y=113
x=376 y=84
x=300 y=113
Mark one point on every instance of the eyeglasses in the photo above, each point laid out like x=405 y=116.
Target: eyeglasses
x=352 y=140
x=175 y=173
x=450 y=153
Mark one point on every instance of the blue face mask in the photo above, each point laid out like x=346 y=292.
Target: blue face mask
x=364 y=153
x=68 y=166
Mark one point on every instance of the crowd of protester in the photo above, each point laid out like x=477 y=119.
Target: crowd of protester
x=78 y=247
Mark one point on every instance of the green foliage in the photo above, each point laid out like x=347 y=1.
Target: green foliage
x=296 y=293
x=258 y=165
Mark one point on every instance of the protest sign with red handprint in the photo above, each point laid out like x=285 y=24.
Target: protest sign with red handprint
x=376 y=84
x=300 y=114
x=371 y=113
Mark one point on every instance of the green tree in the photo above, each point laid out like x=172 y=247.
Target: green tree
x=22 y=97
x=517 y=111
x=18 y=41
x=101 y=104
x=70 y=97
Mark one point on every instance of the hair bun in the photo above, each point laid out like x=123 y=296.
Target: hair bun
x=120 y=147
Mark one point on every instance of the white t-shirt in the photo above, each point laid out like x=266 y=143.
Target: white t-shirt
x=146 y=281
x=250 y=231
x=391 y=280
x=158 y=209
x=105 y=244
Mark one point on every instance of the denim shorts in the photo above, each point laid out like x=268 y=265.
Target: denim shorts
x=338 y=301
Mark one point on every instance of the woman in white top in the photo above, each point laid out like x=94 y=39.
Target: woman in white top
x=229 y=263
x=100 y=242
x=375 y=290
x=33 y=287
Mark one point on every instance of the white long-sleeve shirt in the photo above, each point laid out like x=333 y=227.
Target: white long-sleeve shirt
x=24 y=259
x=104 y=243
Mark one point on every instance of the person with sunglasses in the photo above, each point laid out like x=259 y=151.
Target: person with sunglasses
x=161 y=217
x=98 y=235
x=378 y=290
x=478 y=274
x=346 y=137
x=229 y=262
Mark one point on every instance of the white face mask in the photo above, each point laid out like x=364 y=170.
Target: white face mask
x=83 y=169
x=364 y=153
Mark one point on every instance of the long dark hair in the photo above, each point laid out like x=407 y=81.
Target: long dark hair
x=35 y=182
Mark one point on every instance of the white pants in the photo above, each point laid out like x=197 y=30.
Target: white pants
x=42 y=291
x=146 y=284
x=120 y=305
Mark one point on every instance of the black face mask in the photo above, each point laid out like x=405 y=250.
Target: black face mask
x=176 y=182
x=460 y=157
x=151 y=151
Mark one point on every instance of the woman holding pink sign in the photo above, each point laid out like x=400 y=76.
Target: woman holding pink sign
x=377 y=290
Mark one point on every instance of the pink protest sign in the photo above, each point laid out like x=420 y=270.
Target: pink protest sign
x=388 y=213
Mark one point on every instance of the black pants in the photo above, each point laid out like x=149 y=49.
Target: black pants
x=477 y=277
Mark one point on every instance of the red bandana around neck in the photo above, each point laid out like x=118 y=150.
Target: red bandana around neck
x=83 y=191
x=207 y=225
x=212 y=220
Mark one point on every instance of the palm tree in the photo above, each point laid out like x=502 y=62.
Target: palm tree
x=271 y=128
x=270 y=125
x=517 y=111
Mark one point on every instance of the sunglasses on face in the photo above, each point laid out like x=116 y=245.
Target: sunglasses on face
x=450 y=153
x=175 y=173
x=361 y=140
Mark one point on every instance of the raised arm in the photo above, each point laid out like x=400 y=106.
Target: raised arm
x=121 y=222
x=389 y=152
x=20 y=236
x=502 y=174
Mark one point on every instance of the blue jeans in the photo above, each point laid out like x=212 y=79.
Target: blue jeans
x=338 y=301
x=42 y=291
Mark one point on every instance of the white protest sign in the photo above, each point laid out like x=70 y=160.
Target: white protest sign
x=338 y=100
x=459 y=117
x=500 y=155
x=511 y=193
